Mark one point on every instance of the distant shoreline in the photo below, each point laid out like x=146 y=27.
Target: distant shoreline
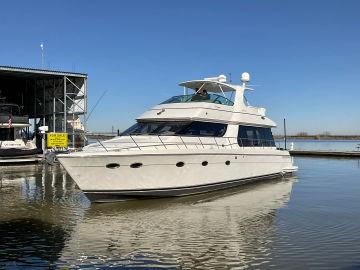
x=320 y=137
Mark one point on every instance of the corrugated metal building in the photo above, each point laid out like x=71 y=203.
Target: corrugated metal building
x=53 y=98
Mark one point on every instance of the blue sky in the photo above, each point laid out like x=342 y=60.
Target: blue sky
x=304 y=55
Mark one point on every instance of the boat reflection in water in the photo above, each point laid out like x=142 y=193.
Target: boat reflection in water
x=47 y=221
x=39 y=206
x=228 y=228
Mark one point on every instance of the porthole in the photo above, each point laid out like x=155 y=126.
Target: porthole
x=136 y=165
x=227 y=162
x=112 y=165
x=204 y=163
x=180 y=164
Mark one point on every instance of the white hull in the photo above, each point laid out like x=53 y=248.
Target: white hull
x=160 y=177
x=186 y=145
x=18 y=152
x=20 y=160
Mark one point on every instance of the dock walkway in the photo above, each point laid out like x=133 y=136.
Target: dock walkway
x=326 y=153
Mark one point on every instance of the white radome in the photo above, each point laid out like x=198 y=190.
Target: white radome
x=245 y=77
x=222 y=78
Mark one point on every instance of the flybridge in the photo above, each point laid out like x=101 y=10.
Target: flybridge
x=208 y=102
x=216 y=84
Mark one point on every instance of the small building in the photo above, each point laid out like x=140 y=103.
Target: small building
x=52 y=98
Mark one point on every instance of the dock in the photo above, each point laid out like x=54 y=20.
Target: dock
x=325 y=153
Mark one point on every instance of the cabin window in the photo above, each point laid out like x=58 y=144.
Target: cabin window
x=204 y=129
x=112 y=165
x=180 y=164
x=136 y=165
x=155 y=128
x=7 y=134
x=255 y=136
x=177 y=128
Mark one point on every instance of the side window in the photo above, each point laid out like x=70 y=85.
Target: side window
x=245 y=136
x=7 y=134
x=204 y=129
x=267 y=137
x=258 y=140
x=177 y=128
x=255 y=136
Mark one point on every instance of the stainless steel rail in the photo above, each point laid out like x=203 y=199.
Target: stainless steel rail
x=201 y=143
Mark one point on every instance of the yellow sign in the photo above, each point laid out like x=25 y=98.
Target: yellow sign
x=57 y=140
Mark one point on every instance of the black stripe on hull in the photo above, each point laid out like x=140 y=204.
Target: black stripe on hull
x=121 y=195
x=19 y=153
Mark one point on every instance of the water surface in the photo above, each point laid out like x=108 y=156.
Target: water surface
x=326 y=145
x=311 y=220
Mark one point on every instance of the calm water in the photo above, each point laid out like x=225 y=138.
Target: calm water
x=305 y=222
x=337 y=145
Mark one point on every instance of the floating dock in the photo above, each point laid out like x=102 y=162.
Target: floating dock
x=325 y=153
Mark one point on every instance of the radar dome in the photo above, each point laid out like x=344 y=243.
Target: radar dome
x=245 y=77
x=222 y=78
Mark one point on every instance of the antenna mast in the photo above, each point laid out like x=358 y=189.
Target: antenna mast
x=42 y=54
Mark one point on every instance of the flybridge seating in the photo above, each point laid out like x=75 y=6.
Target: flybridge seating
x=210 y=98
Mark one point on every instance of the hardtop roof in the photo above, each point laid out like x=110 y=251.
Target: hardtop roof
x=209 y=85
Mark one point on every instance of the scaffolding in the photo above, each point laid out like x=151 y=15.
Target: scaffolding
x=50 y=98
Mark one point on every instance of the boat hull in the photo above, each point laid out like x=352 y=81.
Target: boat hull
x=14 y=155
x=161 y=174
x=120 y=195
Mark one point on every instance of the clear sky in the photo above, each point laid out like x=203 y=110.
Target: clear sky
x=303 y=55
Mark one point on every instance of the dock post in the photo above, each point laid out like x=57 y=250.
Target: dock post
x=285 y=139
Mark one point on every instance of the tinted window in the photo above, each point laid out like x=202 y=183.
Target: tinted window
x=204 y=129
x=255 y=136
x=6 y=134
x=177 y=128
x=211 y=98
x=155 y=128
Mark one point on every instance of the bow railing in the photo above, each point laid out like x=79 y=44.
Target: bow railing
x=184 y=142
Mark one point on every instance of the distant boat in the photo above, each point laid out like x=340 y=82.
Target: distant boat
x=14 y=147
x=188 y=144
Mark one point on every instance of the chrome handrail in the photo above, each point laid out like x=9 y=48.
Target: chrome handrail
x=162 y=141
x=237 y=141
x=135 y=142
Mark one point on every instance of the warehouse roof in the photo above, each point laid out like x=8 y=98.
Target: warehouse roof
x=35 y=73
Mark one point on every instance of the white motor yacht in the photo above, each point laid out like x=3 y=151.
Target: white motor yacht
x=14 y=147
x=188 y=144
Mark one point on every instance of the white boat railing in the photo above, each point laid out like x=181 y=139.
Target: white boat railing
x=185 y=142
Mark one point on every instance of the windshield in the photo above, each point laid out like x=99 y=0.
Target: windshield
x=147 y=128
x=9 y=109
x=177 y=128
x=210 y=98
